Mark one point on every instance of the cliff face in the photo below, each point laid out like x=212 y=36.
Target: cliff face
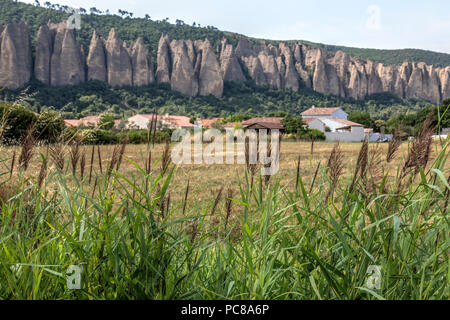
x=196 y=68
x=96 y=60
x=66 y=63
x=15 y=55
x=118 y=62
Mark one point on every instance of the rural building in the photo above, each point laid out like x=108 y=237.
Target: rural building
x=324 y=113
x=142 y=121
x=273 y=123
x=86 y=121
x=334 y=124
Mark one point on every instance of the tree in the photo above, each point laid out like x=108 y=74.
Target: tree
x=49 y=126
x=15 y=122
x=293 y=124
x=361 y=117
x=106 y=121
x=380 y=126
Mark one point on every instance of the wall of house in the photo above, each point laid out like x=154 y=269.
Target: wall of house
x=340 y=114
x=356 y=135
x=333 y=125
x=138 y=121
x=317 y=124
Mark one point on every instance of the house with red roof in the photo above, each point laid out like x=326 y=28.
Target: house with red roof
x=142 y=121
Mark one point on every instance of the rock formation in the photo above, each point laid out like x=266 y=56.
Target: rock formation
x=163 y=60
x=289 y=75
x=209 y=77
x=44 y=49
x=193 y=68
x=183 y=77
x=444 y=76
x=142 y=64
x=66 y=65
x=96 y=60
x=118 y=62
x=231 y=69
x=15 y=55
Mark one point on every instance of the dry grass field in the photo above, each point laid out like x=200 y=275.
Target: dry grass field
x=205 y=180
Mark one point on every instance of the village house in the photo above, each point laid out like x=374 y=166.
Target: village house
x=273 y=123
x=334 y=123
x=142 y=121
x=87 y=122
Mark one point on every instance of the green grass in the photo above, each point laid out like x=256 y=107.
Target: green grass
x=278 y=243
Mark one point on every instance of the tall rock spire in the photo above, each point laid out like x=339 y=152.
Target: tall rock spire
x=67 y=65
x=96 y=60
x=44 y=49
x=210 y=76
x=163 y=60
x=142 y=64
x=118 y=62
x=15 y=55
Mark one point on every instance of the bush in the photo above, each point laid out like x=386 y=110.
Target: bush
x=317 y=134
x=15 y=121
x=49 y=126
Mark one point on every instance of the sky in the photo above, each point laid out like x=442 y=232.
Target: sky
x=380 y=24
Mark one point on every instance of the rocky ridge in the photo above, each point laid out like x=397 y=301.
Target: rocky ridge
x=196 y=68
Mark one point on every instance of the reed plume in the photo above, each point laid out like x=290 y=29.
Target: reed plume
x=82 y=165
x=228 y=207
x=75 y=154
x=361 y=163
x=42 y=172
x=165 y=160
x=99 y=159
x=251 y=167
x=91 y=166
x=57 y=152
x=314 y=177
x=114 y=159
x=394 y=145
x=216 y=201
x=125 y=141
x=335 y=167
x=186 y=193
x=298 y=173
x=27 y=149
x=419 y=152
x=13 y=161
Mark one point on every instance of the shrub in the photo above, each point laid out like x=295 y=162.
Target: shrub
x=49 y=126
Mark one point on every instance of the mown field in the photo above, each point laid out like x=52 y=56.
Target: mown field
x=160 y=231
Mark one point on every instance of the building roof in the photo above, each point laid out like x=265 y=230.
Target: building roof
x=266 y=125
x=93 y=120
x=346 y=123
x=72 y=123
x=207 y=123
x=259 y=120
x=319 y=111
x=308 y=120
x=177 y=121
x=269 y=123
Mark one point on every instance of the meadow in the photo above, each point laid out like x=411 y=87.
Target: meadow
x=140 y=227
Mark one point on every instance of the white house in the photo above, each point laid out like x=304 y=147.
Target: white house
x=333 y=122
x=324 y=113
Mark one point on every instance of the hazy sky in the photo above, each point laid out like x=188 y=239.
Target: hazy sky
x=378 y=24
